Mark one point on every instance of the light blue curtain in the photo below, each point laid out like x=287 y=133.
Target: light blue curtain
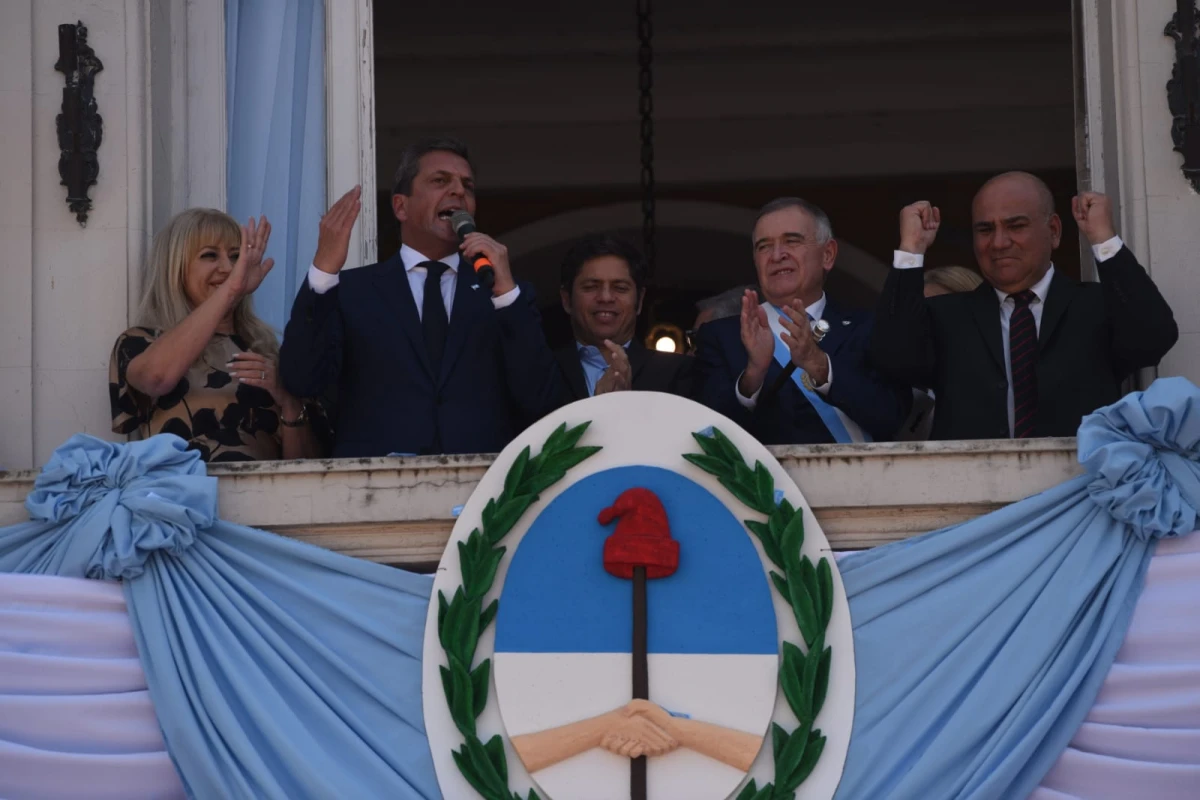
x=980 y=648
x=275 y=94
x=277 y=669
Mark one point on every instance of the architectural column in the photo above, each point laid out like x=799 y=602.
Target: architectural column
x=1127 y=62
x=16 y=234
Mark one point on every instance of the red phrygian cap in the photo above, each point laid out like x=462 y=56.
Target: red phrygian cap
x=642 y=538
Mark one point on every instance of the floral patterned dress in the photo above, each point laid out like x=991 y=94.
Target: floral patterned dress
x=223 y=419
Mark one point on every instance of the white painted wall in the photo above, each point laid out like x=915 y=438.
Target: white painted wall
x=64 y=287
x=1129 y=61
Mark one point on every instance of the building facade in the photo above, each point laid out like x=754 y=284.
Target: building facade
x=199 y=98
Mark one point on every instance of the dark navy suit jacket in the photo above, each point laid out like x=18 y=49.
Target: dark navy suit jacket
x=878 y=405
x=363 y=341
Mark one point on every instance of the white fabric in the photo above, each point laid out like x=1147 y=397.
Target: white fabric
x=75 y=716
x=1107 y=249
x=76 y=719
x=321 y=282
x=1142 y=737
x=1141 y=740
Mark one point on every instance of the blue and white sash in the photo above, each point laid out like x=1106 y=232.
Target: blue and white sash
x=843 y=429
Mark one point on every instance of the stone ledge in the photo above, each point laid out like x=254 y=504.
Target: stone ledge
x=399 y=510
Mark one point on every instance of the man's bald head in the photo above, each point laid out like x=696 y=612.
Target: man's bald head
x=1015 y=230
x=1018 y=180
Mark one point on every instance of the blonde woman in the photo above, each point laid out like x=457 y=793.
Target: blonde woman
x=201 y=365
x=950 y=280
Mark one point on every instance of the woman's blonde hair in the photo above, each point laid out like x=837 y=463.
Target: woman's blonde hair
x=954 y=279
x=164 y=296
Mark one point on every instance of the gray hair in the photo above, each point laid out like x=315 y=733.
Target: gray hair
x=410 y=159
x=725 y=304
x=824 y=226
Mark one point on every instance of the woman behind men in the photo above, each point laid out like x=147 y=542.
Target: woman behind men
x=950 y=280
x=201 y=365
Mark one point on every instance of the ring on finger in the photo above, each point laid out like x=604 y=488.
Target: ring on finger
x=264 y=375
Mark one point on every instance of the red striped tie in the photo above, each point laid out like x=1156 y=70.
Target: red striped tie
x=1022 y=356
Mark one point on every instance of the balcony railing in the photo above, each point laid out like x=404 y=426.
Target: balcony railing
x=400 y=510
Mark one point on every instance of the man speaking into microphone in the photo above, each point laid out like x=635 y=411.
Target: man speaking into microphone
x=424 y=353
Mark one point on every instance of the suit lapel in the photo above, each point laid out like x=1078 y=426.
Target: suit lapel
x=572 y=370
x=1062 y=289
x=464 y=313
x=839 y=328
x=400 y=306
x=639 y=357
x=985 y=308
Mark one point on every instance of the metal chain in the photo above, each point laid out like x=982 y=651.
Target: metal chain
x=645 y=31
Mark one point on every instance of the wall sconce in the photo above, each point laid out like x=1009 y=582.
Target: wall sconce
x=1183 y=90
x=80 y=128
x=665 y=338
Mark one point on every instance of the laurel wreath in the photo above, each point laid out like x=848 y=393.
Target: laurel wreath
x=463 y=619
x=804 y=675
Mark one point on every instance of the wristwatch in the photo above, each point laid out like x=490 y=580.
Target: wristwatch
x=298 y=422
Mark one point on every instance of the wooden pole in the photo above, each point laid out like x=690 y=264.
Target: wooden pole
x=641 y=676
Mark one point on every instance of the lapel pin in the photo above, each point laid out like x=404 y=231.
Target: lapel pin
x=845 y=322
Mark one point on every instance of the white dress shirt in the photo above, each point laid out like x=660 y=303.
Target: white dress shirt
x=814 y=312
x=321 y=282
x=1102 y=252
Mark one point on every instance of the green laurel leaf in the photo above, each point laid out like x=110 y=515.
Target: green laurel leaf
x=821 y=687
x=495 y=751
x=710 y=464
x=804 y=676
x=479 y=686
x=825 y=582
x=488 y=615
x=764 y=486
x=461 y=620
x=516 y=473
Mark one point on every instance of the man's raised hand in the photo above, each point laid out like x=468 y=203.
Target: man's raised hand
x=333 y=241
x=919 y=225
x=1093 y=213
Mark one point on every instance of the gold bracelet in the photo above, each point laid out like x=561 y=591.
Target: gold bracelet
x=298 y=421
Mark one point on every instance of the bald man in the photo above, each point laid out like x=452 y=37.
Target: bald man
x=1031 y=351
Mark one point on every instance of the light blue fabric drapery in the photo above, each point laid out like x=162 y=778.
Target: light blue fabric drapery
x=277 y=669
x=275 y=96
x=980 y=648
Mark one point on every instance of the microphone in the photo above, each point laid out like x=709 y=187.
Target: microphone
x=820 y=328
x=463 y=223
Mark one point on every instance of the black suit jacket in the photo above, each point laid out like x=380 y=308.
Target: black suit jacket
x=652 y=372
x=363 y=339
x=879 y=405
x=1092 y=336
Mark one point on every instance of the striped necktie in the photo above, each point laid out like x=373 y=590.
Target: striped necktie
x=1022 y=357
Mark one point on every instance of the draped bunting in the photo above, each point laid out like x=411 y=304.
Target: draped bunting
x=278 y=669
x=1006 y=626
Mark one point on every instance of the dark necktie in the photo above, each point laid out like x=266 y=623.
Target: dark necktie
x=434 y=322
x=1022 y=356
